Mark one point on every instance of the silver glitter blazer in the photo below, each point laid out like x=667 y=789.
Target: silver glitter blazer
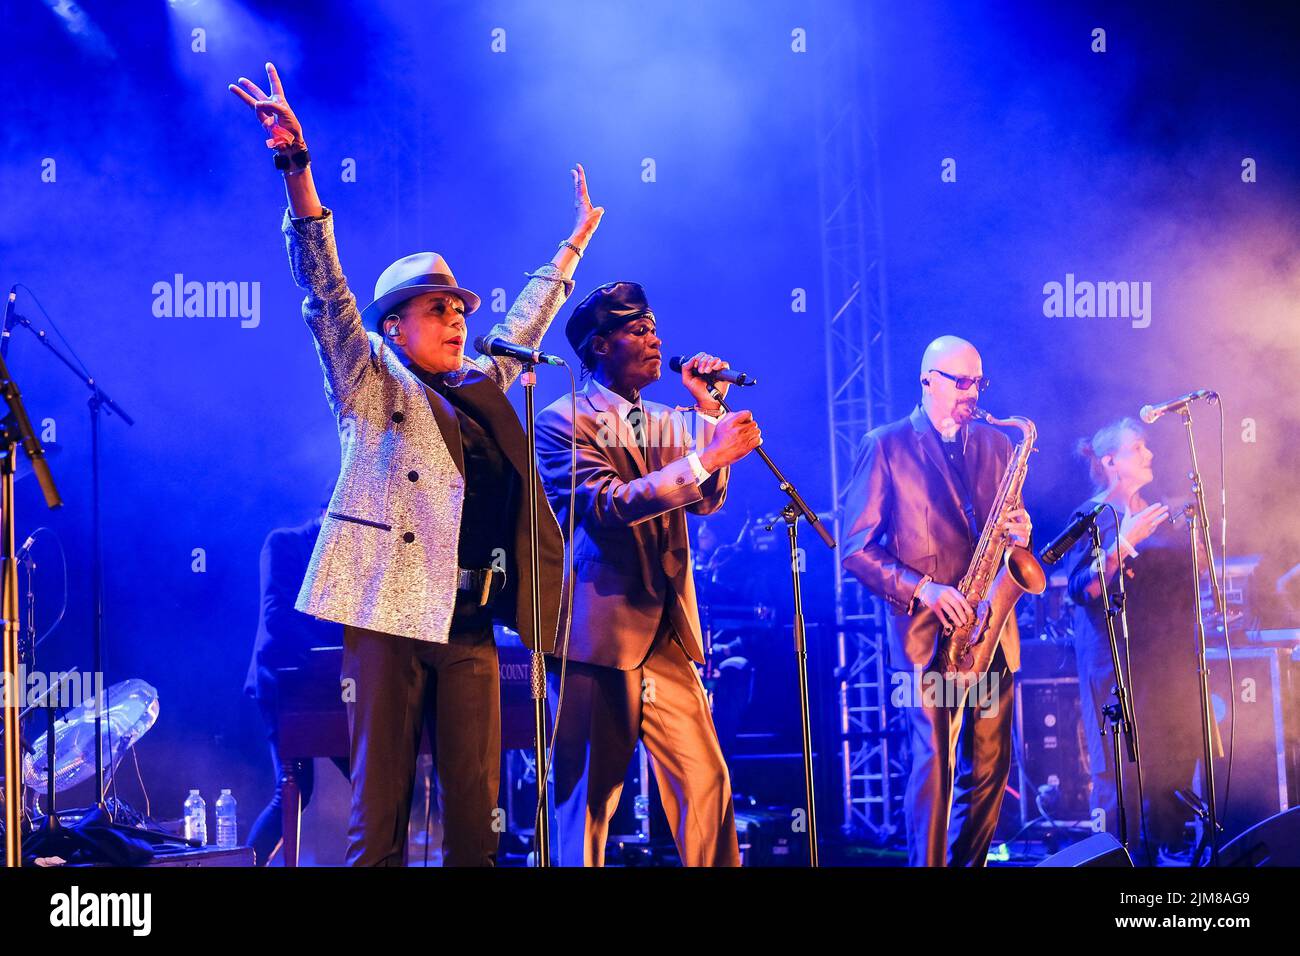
x=386 y=555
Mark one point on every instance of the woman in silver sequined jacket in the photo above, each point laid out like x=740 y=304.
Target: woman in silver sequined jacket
x=418 y=423
x=403 y=591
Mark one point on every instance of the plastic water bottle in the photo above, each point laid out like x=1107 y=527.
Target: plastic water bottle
x=227 y=829
x=196 y=818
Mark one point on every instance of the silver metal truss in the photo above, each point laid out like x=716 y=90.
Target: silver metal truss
x=858 y=399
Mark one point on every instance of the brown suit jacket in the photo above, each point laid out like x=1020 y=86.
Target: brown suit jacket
x=903 y=520
x=631 y=551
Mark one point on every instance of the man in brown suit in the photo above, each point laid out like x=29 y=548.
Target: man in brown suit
x=636 y=627
x=921 y=492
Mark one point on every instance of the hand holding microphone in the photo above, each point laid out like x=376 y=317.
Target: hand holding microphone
x=699 y=374
x=702 y=371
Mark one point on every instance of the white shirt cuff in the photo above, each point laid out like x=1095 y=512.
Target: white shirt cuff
x=1126 y=550
x=701 y=473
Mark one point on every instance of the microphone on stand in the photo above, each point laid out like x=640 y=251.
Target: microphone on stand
x=8 y=322
x=496 y=345
x=1150 y=413
x=728 y=375
x=26 y=549
x=1080 y=523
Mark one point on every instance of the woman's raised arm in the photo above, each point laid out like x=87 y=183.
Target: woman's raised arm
x=585 y=220
x=284 y=134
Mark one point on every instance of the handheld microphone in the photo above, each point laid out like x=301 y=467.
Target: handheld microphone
x=1081 y=522
x=1150 y=413
x=8 y=322
x=496 y=345
x=728 y=375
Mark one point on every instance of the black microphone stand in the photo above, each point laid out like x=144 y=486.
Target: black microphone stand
x=528 y=379
x=98 y=402
x=50 y=823
x=795 y=509
x=1197 y=524
x=1119 y=713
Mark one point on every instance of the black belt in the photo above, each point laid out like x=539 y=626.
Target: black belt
x=483 y=584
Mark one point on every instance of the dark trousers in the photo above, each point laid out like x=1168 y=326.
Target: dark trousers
x=1169 y=737
x=961 y=757
x=400 y=687
x=267 y=832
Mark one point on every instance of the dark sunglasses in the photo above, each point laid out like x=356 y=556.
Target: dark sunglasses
x=964 y=382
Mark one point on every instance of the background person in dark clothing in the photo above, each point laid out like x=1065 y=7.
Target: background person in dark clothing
x=1156 y=557
x=284 y=635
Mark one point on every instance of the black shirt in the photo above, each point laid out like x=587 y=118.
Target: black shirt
x=1161 y=610
x=955 y=453
x=491 y=484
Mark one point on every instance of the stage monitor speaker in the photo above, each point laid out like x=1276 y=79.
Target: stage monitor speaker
x=1265 y=780
x=1100 y=849
x=1051 y=755
x=1273 y=842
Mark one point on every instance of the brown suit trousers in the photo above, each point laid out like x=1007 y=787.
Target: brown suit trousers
x=605 y=712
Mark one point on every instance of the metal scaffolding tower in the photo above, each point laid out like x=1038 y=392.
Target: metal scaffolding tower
x=858 y=399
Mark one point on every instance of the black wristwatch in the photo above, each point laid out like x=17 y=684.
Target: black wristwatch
x=297 y=159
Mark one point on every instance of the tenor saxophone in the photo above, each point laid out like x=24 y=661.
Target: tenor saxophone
x=999 y=572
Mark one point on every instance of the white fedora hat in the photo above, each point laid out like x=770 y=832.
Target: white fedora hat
x=410 y=276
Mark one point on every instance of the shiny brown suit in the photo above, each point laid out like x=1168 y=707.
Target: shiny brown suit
x=636 y=627
x=903 y=520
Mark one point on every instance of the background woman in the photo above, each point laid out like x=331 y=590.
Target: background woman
x=1158 y=576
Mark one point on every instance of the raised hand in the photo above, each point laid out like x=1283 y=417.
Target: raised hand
x=284 y=134
x=283 y=130
x=586 y=217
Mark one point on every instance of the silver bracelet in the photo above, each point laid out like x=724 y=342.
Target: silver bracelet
x=576 y=250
